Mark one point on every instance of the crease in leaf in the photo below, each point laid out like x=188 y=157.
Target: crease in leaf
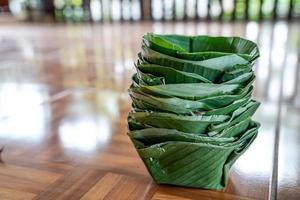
x=212 y=68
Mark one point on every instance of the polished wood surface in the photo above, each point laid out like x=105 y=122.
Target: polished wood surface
x=64 y=103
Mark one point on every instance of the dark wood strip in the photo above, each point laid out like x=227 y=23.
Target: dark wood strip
x=72 y=185
x=189 y=193
x=289 y=154
x=274 y=177
x=12 y=194
x=25 y=179
x=129 y=188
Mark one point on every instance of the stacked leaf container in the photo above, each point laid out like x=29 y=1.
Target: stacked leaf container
x=192 y=107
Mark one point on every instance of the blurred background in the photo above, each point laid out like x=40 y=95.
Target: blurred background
x=66 y=65
x=136 y=10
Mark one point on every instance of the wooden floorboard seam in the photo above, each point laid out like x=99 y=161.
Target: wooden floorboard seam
x=274 y=176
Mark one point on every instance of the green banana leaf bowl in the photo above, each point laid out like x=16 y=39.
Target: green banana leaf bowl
x=212 y=69
x=197 y=124
x=150 y=74
x=182 y=159
x=201 y=47
x=192 y=107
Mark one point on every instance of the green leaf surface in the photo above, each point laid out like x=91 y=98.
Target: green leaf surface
x=192 y=91
x=197 y=124
x=212 y=69
x=201 y=47
x=170 y=75
x=192 y=124
x=193 y=164
x=146 y=101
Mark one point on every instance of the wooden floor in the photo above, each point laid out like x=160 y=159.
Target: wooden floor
x=64 y=102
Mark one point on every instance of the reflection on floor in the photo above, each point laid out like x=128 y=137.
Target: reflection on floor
x=63 y=107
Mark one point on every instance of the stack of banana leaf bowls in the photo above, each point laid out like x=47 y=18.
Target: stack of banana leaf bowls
x=192 y=107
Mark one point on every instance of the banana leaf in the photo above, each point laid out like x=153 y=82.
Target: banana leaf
x=235 y=130
x=201 y=47
x=192 y=164
x=146 y=101
x=151 y=136
x=174 y=105
x=134 y=125
x=242 y=79
x=212 y=69
x=229 y=108
x=168 y=74
x=192 y=124
x=197 y=124
x=157 y=75
x=147 y=79
x=235 y=72
x=220 y=101
x=192 y=91
x=141 y=131
x=237 y=116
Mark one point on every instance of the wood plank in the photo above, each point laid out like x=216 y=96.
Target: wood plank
x=117 y=162
x=116 y=186
x=102 y=187
x=34 y=175
x=189 y=193
x=289 y=155
x=72 y=185
x=162 y=196
x=25 y=179
x=9 y=194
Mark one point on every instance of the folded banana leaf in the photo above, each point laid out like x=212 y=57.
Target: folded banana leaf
x=146 y=101
x=237 y=116
x=156 y=75
x=235 y=72
x=220 y=101
x=230 y=132
x=242 y=79
x=142 y=102
x=174 y=105
x=192 y=108
x=234 y=130
x=139 y=86
x=200 y=165
x=151 y=136
x=201 y=47
x=192 y=91
x=229 y=108
x=192 y=124
x=168 y=74
x=197 y=124
x=212 y=69
x=152 y=74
